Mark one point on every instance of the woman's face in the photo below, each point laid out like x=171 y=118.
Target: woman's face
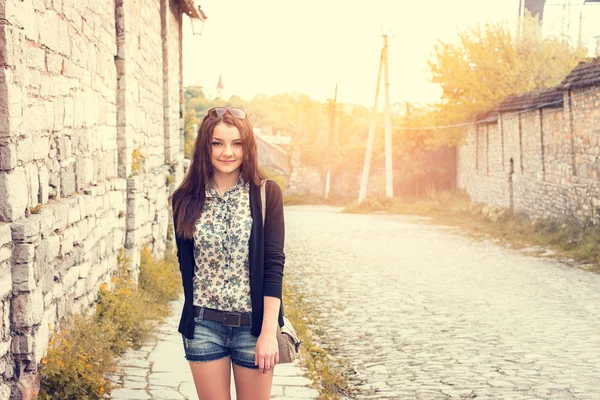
x=227 y=152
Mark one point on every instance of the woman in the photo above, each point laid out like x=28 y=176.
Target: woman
x=231 y=265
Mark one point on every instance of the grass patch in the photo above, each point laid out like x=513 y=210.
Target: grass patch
x=329 y=376
x=295 y=200
x=369 y=205
x=81 y=356
x=568 y=239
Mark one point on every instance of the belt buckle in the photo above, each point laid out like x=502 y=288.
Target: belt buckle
x=229 y=319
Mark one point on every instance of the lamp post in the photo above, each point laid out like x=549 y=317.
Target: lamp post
x=198 y=23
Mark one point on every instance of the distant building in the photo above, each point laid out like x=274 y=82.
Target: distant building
x=278 y=140
x=401 y=109
x=536 y=8
x=220 y=88
x=272 y=157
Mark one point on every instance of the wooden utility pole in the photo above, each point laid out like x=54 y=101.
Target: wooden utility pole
x=580 y=34
x=519 y=19
x=389 y=172
x=365 y=175
x=331 y=140
x=562 y=24
x=569 y=22
x=389 y=181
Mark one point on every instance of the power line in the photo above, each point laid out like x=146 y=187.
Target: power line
x=481 y=121
x=561 y=4
x=409 y=128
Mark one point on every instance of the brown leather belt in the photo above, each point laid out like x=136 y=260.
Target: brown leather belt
x=225 y=317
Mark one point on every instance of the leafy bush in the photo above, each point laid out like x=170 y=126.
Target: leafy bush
x=370 y=204
x=160 y=279
x=279 y=179
x=81 y=357
x=77 y=360
x=138 y=161
x=126 y=308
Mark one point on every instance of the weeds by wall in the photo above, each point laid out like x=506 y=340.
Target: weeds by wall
x=82 y=356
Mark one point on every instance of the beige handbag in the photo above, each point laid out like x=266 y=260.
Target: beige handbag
x=288 y=342
x=287 y=339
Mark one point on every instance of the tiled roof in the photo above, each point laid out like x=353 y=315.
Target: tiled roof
x=584 y=75
x=189 y=8
x=488 y=117
x=547 y=98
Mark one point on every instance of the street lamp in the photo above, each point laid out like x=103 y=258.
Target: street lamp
x=198 y=23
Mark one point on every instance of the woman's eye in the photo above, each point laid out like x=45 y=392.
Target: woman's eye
x=237 y=144
x=216 y=143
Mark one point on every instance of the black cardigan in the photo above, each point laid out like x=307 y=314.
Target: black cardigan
x=266 y=259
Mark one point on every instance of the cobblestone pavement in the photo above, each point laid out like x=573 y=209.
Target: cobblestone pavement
x=421 y=312
x=159 y=371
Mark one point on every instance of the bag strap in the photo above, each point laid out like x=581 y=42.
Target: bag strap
x=263 y=199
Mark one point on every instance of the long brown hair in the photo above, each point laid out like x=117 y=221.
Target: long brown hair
x=191 y=195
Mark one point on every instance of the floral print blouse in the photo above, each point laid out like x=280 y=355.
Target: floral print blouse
x=222 y=274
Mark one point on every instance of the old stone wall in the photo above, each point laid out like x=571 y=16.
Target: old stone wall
x=150 y=85
x=304 y=180
x=481 y=154
x=173 y=82
x=272 y=157
x=90 y=147
x=545 y=162
x=307 y=180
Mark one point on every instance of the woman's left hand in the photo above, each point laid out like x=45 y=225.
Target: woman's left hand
x=267 y=352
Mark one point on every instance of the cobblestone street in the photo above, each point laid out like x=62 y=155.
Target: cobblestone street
x=422 y=312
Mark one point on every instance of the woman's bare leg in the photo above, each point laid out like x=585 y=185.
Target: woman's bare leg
x=212 y=379
x=251 y=384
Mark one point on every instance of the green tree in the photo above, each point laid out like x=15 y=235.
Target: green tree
x=192 y=92
x=488 y=64
x=189 y=120
x=196 y=107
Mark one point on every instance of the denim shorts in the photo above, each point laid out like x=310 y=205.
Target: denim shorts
x=213 y=340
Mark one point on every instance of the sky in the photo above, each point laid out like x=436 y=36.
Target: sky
x=283 y=46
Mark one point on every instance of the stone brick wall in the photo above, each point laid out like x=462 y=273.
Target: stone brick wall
x=82 y=86
x=481 y=155
x=173 y=82
x=150 y=82
x=304 y=180
x=141 y=81
x=555 y=158
x=557 y=147
x=272 y=157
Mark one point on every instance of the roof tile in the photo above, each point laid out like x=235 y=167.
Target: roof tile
x=583 y=75
x=547 y=98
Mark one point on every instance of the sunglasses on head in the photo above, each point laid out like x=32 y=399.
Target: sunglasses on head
x=218 y=112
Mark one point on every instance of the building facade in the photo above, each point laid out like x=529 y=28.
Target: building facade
x=539 y=152
x=91 y=142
